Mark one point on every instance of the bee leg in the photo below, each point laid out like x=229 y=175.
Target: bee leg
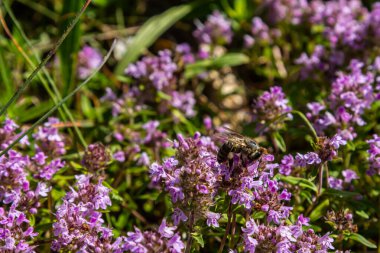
x=230 y=163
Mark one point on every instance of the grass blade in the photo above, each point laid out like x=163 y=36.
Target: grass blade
x=70 y=47
x=54 y=108
x=151 y=30
x=57 y=95
x=45 y=60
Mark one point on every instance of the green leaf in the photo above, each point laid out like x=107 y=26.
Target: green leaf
x=43 y=227
x=302 y=182
x=87 y=108
x=362 y=214
x=70 y=47
x=309 y=125
x=259 y=215
x=151 y=30
x=340 y=194
x=279 y=141
x=230 y=59
x=320 y=210
x=6 y=79
x=198 y=238
x=35 y=111
x=362 y=240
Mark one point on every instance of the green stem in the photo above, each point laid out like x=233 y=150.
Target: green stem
x=57 y=95
x=190 y=238
x=45 y=60
x=229 y=214
x=54 y=108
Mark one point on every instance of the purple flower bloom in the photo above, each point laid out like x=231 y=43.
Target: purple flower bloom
x=184 y=102
x=212 y=219
x=283 y=238
x=164 y=240
x=374 y=155
x=166 y=231
x=349 y=175
x=119 y=156
x=269 y=106
x=190 y=177
x=159 y=70
x=78 y=213
x=335 y=183
x=88 y=60
x=259 y=29
x=286 y=165
x=178 y=216
x=216 y=30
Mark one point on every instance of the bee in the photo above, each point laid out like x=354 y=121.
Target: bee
x=237 y=143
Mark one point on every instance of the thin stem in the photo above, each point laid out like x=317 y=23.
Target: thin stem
x=321 y=169
x=233 y=231
x=54 y=108
x=227 y=228
x=46 y=73
x=45 y=60
x=190 y=238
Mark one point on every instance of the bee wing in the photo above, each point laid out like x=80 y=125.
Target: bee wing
x=227 y=134
x=232 y=132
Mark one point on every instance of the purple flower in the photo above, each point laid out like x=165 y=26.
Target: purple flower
x=159 y=70
x=164 y=240
x=212 y=219
x=216 y=30
x=78 y=213
x=190 y=177
x=259 y=29
x=286 y=165
x=88 y=60
x=269 y=106
x=49 y=140
x=166 y=231
x=307 y=159
x=349 y=175
x=184 y=102
x=178 y=216
x=374 y=155
x=335 y=183
x=15 y=231
x=283 y=238
x=119 y=156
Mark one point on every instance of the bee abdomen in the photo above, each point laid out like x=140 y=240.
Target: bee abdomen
x=224 y=151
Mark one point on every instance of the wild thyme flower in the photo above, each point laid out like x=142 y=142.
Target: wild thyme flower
x=269 y=106
x=190 y=177
x=251 y=184
x=184 y=51
x=13 y=175
x=342 y=221
x=216 y=30
x=158 y=74
x=16 y=233
x=49 y=139
x=164 y=240
x=284 y=238
x=327 y=149
x=96 y=157
x=88 y=60
x=79 y=225
x=159 y=70
x=313 y=62
x=8 y=134
x=260 y=30
x=184 y=101
x=374 y=155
